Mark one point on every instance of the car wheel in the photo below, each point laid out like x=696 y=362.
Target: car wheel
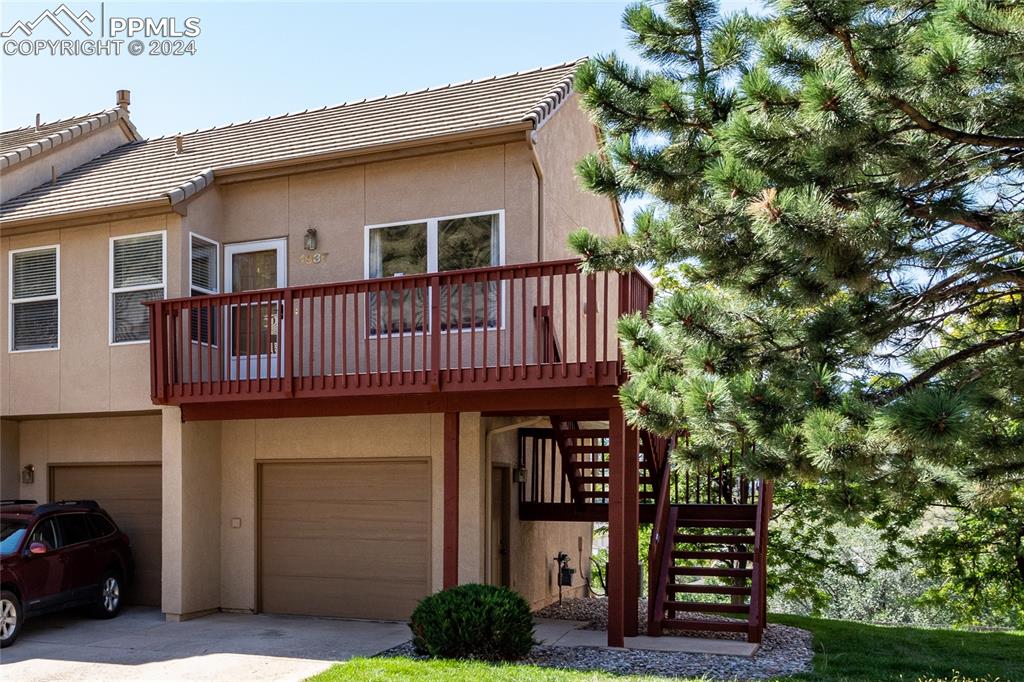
x=11 y=618
x=108 y=603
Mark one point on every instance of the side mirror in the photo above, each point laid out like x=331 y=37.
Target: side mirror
x=38 y=548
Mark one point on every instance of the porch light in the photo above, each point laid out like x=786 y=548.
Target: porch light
x=309 y=242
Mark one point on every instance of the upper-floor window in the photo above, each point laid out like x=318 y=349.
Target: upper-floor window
x=35 y=298
x=435 y=245
x=204 y=279
x=138 y=273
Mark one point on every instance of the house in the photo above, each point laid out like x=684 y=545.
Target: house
x=329 y=362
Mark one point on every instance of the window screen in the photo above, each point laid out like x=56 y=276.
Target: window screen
x=35 y=306
x=137 y=276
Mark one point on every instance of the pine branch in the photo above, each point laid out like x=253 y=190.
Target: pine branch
x=953 y=359
x=919 y=119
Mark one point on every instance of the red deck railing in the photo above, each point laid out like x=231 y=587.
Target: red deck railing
x=506 y=327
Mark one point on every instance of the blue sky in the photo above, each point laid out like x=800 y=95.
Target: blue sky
x=258 y=59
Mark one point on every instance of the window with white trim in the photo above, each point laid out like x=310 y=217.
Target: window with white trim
x=138 y=273
x=204 y=279
x=435 y=245
x=34 y=288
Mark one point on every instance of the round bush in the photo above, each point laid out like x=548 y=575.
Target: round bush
x=481 y=622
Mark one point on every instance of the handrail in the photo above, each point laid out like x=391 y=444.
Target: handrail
x=661 y=532
x=759 y=582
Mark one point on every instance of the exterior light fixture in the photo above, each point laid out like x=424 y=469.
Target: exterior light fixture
x=309 y=243
x=28 y=474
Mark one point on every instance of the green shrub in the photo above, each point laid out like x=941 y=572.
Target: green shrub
x=473 y=621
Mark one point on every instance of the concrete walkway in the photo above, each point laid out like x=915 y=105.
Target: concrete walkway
x=553 y=632
x=140 y=645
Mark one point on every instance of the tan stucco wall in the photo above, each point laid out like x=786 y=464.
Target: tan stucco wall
x=86 y=374
x=341 y=203
x=562 y=142
x=534 y=544
x=42 y=442
x=38 y=170
x=191 y=505
x=9 y=465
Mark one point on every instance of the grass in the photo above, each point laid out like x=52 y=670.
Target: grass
x=844 y=652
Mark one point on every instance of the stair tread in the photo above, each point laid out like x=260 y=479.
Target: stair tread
x=738 y=556
x=717 y=572
x=712 y=625
x=714 y=523
x=711 y=539
x=706 y=607
x=708 y=589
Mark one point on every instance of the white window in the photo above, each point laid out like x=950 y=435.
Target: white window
x=204 y=279
x=138 y=273
x=436 y=245
x=34 y=289
x=204 y=273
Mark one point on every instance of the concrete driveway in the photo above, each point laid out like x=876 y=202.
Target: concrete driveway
x=140 y=645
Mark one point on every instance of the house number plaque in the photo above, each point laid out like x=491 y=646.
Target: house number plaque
x=313 y=258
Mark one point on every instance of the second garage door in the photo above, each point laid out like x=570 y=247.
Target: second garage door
x=345 y=539
x=131 y=494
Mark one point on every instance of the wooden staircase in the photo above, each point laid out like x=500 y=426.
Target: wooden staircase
x=585 y=461
x=709 y=527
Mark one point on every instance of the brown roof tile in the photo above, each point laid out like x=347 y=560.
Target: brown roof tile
x=152 y=169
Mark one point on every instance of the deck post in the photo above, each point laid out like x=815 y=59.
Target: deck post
x=631 y=527
x=623 y=521
x=451 y=500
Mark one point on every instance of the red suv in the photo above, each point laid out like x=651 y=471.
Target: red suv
x=56 y=556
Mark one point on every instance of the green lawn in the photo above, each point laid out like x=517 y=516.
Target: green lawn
x=845 y=652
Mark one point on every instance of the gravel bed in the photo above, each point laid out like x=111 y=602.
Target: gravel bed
x=784 y=651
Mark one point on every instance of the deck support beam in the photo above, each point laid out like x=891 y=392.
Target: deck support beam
x=623 y=529
x=451 y=500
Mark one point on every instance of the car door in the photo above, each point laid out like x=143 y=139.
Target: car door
x=81 y=575
x=43 y=577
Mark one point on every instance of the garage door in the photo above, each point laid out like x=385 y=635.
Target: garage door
x=131 y=495
x=346 y=539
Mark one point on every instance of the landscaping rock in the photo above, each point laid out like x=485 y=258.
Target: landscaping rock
x=784 y=651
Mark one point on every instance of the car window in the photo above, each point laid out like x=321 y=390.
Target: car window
x=73 y=529
x=46 y=533
x=11 y=534
x=101 y=525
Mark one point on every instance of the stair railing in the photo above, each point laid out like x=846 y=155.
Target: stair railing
x=759 y=578
x=659 y=551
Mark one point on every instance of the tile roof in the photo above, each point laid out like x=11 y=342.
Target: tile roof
x=20 y=144
x=153 y=170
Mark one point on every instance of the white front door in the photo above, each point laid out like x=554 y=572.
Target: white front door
x=254 y=329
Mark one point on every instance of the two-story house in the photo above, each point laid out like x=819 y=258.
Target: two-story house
x=329 y=362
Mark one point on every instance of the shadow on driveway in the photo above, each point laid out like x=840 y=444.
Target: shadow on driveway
x=140 y=645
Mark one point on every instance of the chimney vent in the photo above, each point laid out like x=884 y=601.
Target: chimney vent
x=124 y=98
x=38 y=121
x=179 y=144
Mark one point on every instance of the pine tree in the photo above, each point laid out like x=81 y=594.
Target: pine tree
x=838 y=236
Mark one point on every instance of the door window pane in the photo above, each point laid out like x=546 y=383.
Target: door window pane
x=45 y=533
x=254 y=270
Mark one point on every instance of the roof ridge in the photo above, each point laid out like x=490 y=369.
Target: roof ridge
x=394 y=95
x=33 y=126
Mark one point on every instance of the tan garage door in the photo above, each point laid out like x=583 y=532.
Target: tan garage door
x=131 y=495
x=346 y=539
